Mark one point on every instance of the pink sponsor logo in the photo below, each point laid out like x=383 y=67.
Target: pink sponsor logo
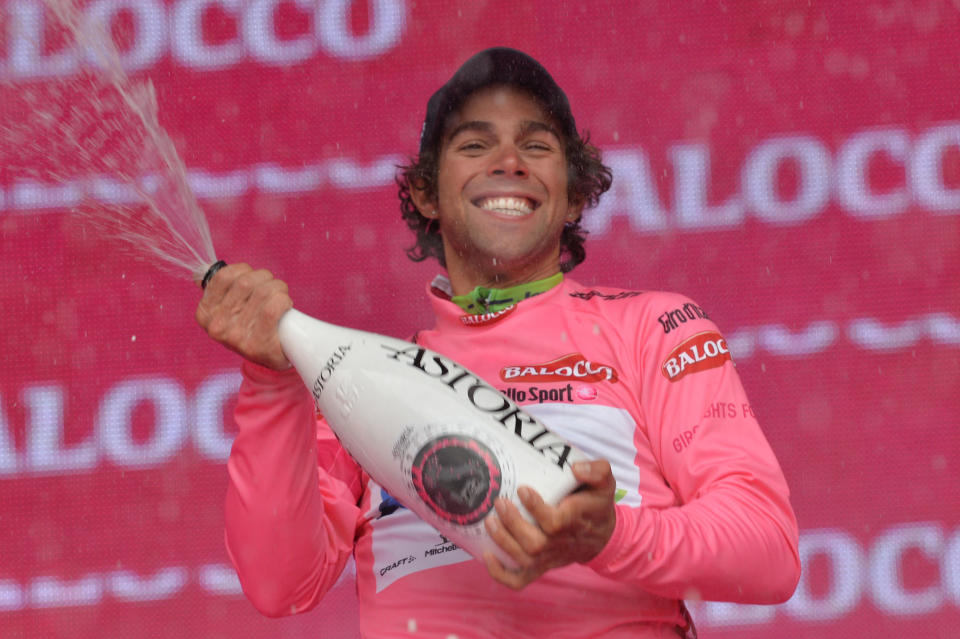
x=587 y=393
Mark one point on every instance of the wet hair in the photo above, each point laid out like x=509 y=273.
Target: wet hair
x=587 y=177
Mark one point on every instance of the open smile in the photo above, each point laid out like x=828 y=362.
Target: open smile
x=507 y=205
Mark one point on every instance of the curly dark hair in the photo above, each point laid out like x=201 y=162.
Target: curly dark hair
x=587 y=178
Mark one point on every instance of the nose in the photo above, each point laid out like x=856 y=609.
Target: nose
x=508 y=162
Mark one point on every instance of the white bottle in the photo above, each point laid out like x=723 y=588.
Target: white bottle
x=438 y=438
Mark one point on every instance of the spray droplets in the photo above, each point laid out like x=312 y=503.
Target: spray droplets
x=99 y=133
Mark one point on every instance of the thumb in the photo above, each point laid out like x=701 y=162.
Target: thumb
x=596 y=473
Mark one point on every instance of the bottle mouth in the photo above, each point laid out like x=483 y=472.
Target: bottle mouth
x=216 y=266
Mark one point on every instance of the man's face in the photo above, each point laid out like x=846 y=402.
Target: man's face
x=501 y=191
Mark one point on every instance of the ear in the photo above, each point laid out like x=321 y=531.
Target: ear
x=574 y=211
x=426 y=206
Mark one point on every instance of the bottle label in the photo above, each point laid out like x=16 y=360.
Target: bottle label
x=457 y=477
x=455 y=471
x=326 y=371
x=486 y=399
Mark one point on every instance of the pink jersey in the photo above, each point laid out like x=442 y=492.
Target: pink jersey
x=644 y=380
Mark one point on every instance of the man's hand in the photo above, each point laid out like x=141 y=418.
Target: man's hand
x=241 y=308
x=575 y=531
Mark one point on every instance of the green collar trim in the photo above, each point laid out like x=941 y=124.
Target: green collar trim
x=490 y=300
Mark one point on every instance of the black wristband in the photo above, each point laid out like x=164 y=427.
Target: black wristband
x=216 y=266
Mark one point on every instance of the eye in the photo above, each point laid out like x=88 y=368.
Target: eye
x=537 y=145
x=472 y=145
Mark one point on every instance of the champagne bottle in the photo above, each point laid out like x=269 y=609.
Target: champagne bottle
x=436 y=436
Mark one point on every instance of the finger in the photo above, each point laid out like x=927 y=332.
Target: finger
x=596 y=473
x=528 y=536
x=214 y=293
x=550 y=519
x=235 y=315
x=244 y=287
x=266 y=304
x=245 y=318
x=590 y=504
x=222 y=280
x=504 y=538
x=276 y=302
x=263 y=327
x=512 y=579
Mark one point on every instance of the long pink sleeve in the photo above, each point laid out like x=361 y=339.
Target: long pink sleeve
x=732 y=536
x=287 y=540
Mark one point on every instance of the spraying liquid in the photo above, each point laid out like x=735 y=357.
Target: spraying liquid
x=435 y=435
x=99 y=135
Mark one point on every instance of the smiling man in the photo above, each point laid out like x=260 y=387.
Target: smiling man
x=682 y=501
x=501 y=198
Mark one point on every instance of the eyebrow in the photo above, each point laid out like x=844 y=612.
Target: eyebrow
x=480 y=126
x=532 y=126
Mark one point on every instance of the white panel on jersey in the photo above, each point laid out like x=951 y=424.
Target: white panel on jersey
x=404 y=544
x=602 y=432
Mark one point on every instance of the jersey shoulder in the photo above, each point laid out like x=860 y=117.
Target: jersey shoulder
x=669 y=310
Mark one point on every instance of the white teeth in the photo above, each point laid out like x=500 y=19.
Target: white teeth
x=507 y=205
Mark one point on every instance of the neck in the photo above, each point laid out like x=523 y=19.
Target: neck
x=463 y=281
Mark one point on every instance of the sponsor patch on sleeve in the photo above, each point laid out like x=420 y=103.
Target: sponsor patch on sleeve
x=697 y=353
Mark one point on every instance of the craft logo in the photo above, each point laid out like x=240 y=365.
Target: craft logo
x=487 y=318
x=698 y=353
x=573 y=366
x=457 y=477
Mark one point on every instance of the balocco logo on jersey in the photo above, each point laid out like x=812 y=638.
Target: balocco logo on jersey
x=698 y=353
x=484 y=319
x=572 y=366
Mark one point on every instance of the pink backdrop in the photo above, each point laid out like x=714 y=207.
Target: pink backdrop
x=792 y=166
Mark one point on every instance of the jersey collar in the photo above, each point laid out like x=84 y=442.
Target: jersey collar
x=482 y=300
